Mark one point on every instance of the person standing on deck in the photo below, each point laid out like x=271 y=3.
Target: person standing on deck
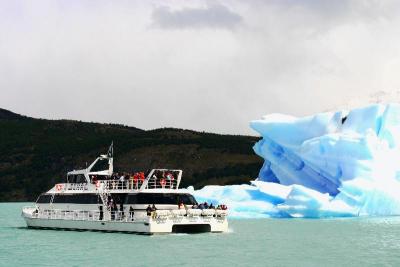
x=141 y=177
x=136 y=180
x=121 y=181
x=154 y=177
x=131 y=178
x=148 y=210
x=131 y=213
x=170 y=178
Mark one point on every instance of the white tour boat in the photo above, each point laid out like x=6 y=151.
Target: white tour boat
x=95 y=199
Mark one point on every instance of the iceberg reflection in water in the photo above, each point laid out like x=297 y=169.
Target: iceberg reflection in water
x=333 y=164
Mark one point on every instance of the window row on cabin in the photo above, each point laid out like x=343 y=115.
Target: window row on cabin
x=160 y=198
x=69 y=199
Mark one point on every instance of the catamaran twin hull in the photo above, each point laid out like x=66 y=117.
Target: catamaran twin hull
x=136 y=202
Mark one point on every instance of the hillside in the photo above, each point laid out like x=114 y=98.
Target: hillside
x=36 y=153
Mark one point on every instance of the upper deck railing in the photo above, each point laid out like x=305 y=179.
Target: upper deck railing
x=156 y=179
x=119 y=185
x=137 y=184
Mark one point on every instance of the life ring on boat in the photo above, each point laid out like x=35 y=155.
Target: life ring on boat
x=97 y=184
x=59 y=187
x=163 y=182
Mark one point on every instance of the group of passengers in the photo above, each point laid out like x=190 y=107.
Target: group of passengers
x=163 y=179
x=205 y=206
x=129 y=180
x=124 y=180
x=150 y=210
x=113 y=207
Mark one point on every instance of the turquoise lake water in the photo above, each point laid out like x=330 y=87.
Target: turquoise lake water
x=259 y=242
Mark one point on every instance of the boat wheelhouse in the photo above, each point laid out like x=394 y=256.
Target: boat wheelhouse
x=96 y=198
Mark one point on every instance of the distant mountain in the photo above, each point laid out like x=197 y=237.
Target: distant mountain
x=8 y=115
x=36 y=153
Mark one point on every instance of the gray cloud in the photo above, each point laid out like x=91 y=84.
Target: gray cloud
x=102 y=62
x=214 y=16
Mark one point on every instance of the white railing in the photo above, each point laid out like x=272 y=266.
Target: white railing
x=189 y=213
x=119 y=216
x=120 y=185
x=117 y=185
x=81 y=215
x=137 y=184
x=158 y=184
x=75 y=215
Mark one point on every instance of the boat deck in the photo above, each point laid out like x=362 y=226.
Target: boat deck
x=160 y=221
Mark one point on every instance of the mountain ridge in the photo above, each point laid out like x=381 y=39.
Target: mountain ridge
x=36 y=153
x=9 y=115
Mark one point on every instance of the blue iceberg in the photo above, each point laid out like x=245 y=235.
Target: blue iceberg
x=333 y=164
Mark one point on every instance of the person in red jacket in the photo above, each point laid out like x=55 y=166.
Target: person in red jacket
x=135 y=180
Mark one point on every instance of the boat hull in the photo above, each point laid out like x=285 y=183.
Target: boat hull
x=151 y=226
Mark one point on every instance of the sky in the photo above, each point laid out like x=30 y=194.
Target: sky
x=204 y=65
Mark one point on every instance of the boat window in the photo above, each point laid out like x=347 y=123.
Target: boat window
x=100 y=165
x=187 y=199
x=76 y=179
x=77 y=199
x=44 y=199
x=160 y=198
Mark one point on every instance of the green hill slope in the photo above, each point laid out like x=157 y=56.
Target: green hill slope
x=36 y=153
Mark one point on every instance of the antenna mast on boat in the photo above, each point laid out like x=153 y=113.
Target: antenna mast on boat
x=110 y=155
